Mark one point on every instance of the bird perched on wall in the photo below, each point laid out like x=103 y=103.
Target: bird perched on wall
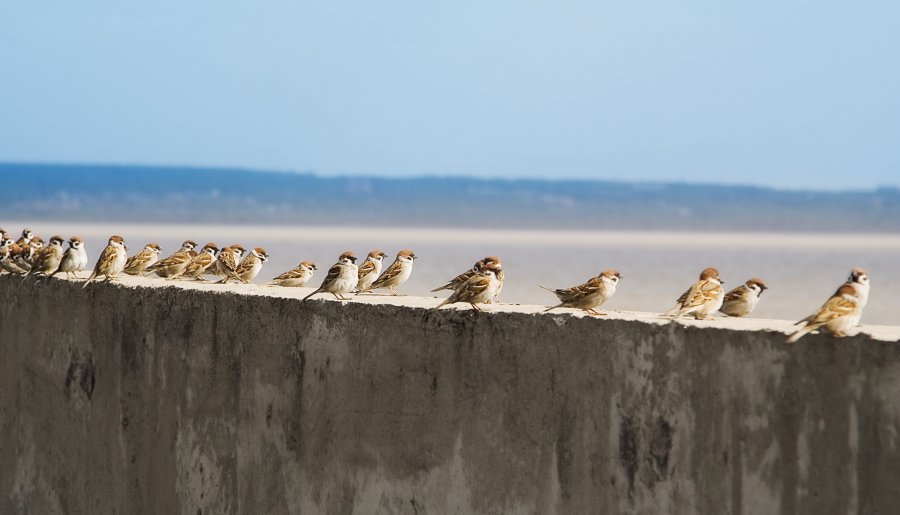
x=8 y=252
x=227 y=262
x=112 y=260
x=47 y=261
x=459 y=280
x=140 y=262
x=74 y=259
x=370 y=270
x=28 y=253
x=842 y=311
x=25 y=238
x=742 y=300
x=174 y=265
x=249 y=268
x=478 y=289
x=396 y=274
x=297 y=276
x=201 y=263
x=341 y=278
x=704 y=297
x=501 y=277
x=589 y=295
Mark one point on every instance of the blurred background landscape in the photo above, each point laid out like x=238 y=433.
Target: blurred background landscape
x=216 y=195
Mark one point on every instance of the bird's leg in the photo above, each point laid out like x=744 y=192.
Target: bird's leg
x=475 y=306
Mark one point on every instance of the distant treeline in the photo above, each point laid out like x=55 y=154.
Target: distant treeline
x=208 y=195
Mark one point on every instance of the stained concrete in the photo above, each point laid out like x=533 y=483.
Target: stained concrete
x=163 y=397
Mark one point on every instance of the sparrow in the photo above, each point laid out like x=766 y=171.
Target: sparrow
x=26 y=238
x=478 y=289
x=28 y=253
x=742 y=300
x=75 y=258
x=370 y=270
x=842 y=311
x=461 y=279
x=228 y=261
x=174 y=265
x=298 y=276
x=8 y=252
x=703 y=299
x=341 y=278
x=200 y=264
x=589 y=295
x=112 y=260
x=138 y=264
x=251 y=265
x=501 y=276
x=397 y=273
x=47 y=261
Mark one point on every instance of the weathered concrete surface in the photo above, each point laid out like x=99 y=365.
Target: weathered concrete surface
x=136 y=399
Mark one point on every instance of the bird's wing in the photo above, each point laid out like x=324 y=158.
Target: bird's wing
x=392 y=271
x=366 y=268
x=200 y=262
x=137 y=260
x=736 y=294
x=176 y=259
x=456 y=282
x=333 y=273
x=293 y=273
x=837 y=306
x=106 y=259
x=576 y=292
x=228 y=260
x=701 y=293
x=473 y=287
x=684 y=296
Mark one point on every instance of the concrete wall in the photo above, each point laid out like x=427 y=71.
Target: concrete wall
x=133 y=399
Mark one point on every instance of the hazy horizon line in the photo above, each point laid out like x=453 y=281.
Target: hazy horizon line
x=442 y=175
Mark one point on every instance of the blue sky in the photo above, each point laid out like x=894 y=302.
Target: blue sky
x=802 y=94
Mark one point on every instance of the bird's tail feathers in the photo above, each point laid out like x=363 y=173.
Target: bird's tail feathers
x=799 y=334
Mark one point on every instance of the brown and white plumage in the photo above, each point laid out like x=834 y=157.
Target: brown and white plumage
x=147 y=257
x=201 y=262
x=8 y=252
x=111 y=261
x=742 y=300
x=74 y=259
x=28 y=253
x=251 y=265
x=589 y=295
x=842 y=311
x=369 y=270
x=227 y=262
x=704 y=297
x=47 y=261
x=297 y=276
x=396 y=274
x=342 y=277
x=478 y=289
x=174 y=265
x=459 y=280
x=25 y=238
